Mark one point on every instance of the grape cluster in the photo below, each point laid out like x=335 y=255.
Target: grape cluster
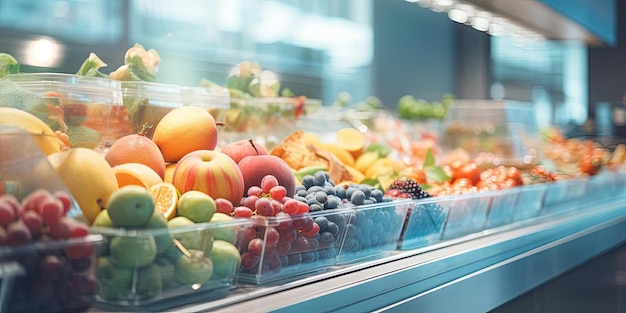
x=57 y=275
x=370 y=224
x=283 y=231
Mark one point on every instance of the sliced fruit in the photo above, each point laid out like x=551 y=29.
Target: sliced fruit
x=136 y=174
x=365 y=161
x=356 y=174
x=342 y=154
x=351 y=140
x=165 y=199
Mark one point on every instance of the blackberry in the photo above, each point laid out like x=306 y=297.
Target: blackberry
x=407 y=188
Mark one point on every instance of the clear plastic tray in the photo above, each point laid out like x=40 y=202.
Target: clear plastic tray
x=156 y=279
x=45 y=274
x=77 y=105
x=295 y=254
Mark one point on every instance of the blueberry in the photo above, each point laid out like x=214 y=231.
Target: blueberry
x=367 y=189
x=377 y=194
x=357 y=197
x=314 y=189
x=322 y=222
x=307 y=181
x=321 y=197
x=314 y=207
x=341 y=192
x=301 y=192
x=330 y=190
x=319 y=179
x=331 y=203
x=332 y=228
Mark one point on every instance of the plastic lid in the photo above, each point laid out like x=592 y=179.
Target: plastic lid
x=167 y=95
x=206 y=97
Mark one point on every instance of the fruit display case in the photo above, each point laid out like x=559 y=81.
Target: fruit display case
x=469 y=269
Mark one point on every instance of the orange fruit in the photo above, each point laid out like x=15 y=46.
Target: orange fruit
x=169 y=172
x=165 y=199
x=183 y=130
x=136 y=174
x=137 y=148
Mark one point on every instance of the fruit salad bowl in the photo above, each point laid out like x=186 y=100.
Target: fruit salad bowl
x=151 y=267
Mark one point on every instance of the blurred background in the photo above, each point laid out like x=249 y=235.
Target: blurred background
x=567 y=65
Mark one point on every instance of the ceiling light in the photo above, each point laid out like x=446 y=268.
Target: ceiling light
x=458 y=16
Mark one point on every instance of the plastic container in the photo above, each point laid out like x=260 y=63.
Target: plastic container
x=373 y=231
x=530 y=202
x=502 y=207
x=424 y=223
x=466 y=214
x=295 y=254
x=151 y=269
x=144 y=102
x=47 y=273
x=507 y=129
x=266 y=120
x=77 y=105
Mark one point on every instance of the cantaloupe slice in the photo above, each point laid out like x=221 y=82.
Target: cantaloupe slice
x=136 y=174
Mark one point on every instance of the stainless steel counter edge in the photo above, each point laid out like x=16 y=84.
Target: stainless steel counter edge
x=472 y=274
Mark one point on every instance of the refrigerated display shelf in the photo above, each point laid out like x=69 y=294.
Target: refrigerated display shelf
x=474 y=273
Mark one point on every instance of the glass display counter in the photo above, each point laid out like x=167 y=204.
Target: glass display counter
x=473 y=273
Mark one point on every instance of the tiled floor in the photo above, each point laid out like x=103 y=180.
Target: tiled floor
x=596 y=287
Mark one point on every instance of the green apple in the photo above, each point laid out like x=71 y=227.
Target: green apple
x=196 y=206
x=133 y=252
x=131 y=206
x=163 y=238
x=226 y=260
x=103 y=220
x=149 y=283
x=190 y=237
x=228 y=233
x=114 y=282
x=167 y=269
x=193 y=269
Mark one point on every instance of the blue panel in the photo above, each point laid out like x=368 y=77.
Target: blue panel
x=597 y=16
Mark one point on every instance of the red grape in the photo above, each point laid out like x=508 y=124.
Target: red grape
x=59 y=230
x=284 y=221
x=32 y=200
x=77 y=229
x=271 y=236
x=312 y=232
x=255 y=191
x=50 y=210
x=307 y=226
x=223 y=206
x=65 y=198
x=243 y=211
x=51 y=267
x=291 y=206
x=33 y=221
x=288 y=236
x=7 y=213
x=79 y=251
x=283 y=247
x=278 y=192
x=277 y=206
x=302 y=208
x=268 y=182
x=255 y=246
x=249 y=202
x=18 y=234
x=301 y=244
x=249 y=260
x=264 y=207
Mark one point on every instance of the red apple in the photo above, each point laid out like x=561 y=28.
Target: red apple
x=254 y=168
x=211 y=172
x=239 y=149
